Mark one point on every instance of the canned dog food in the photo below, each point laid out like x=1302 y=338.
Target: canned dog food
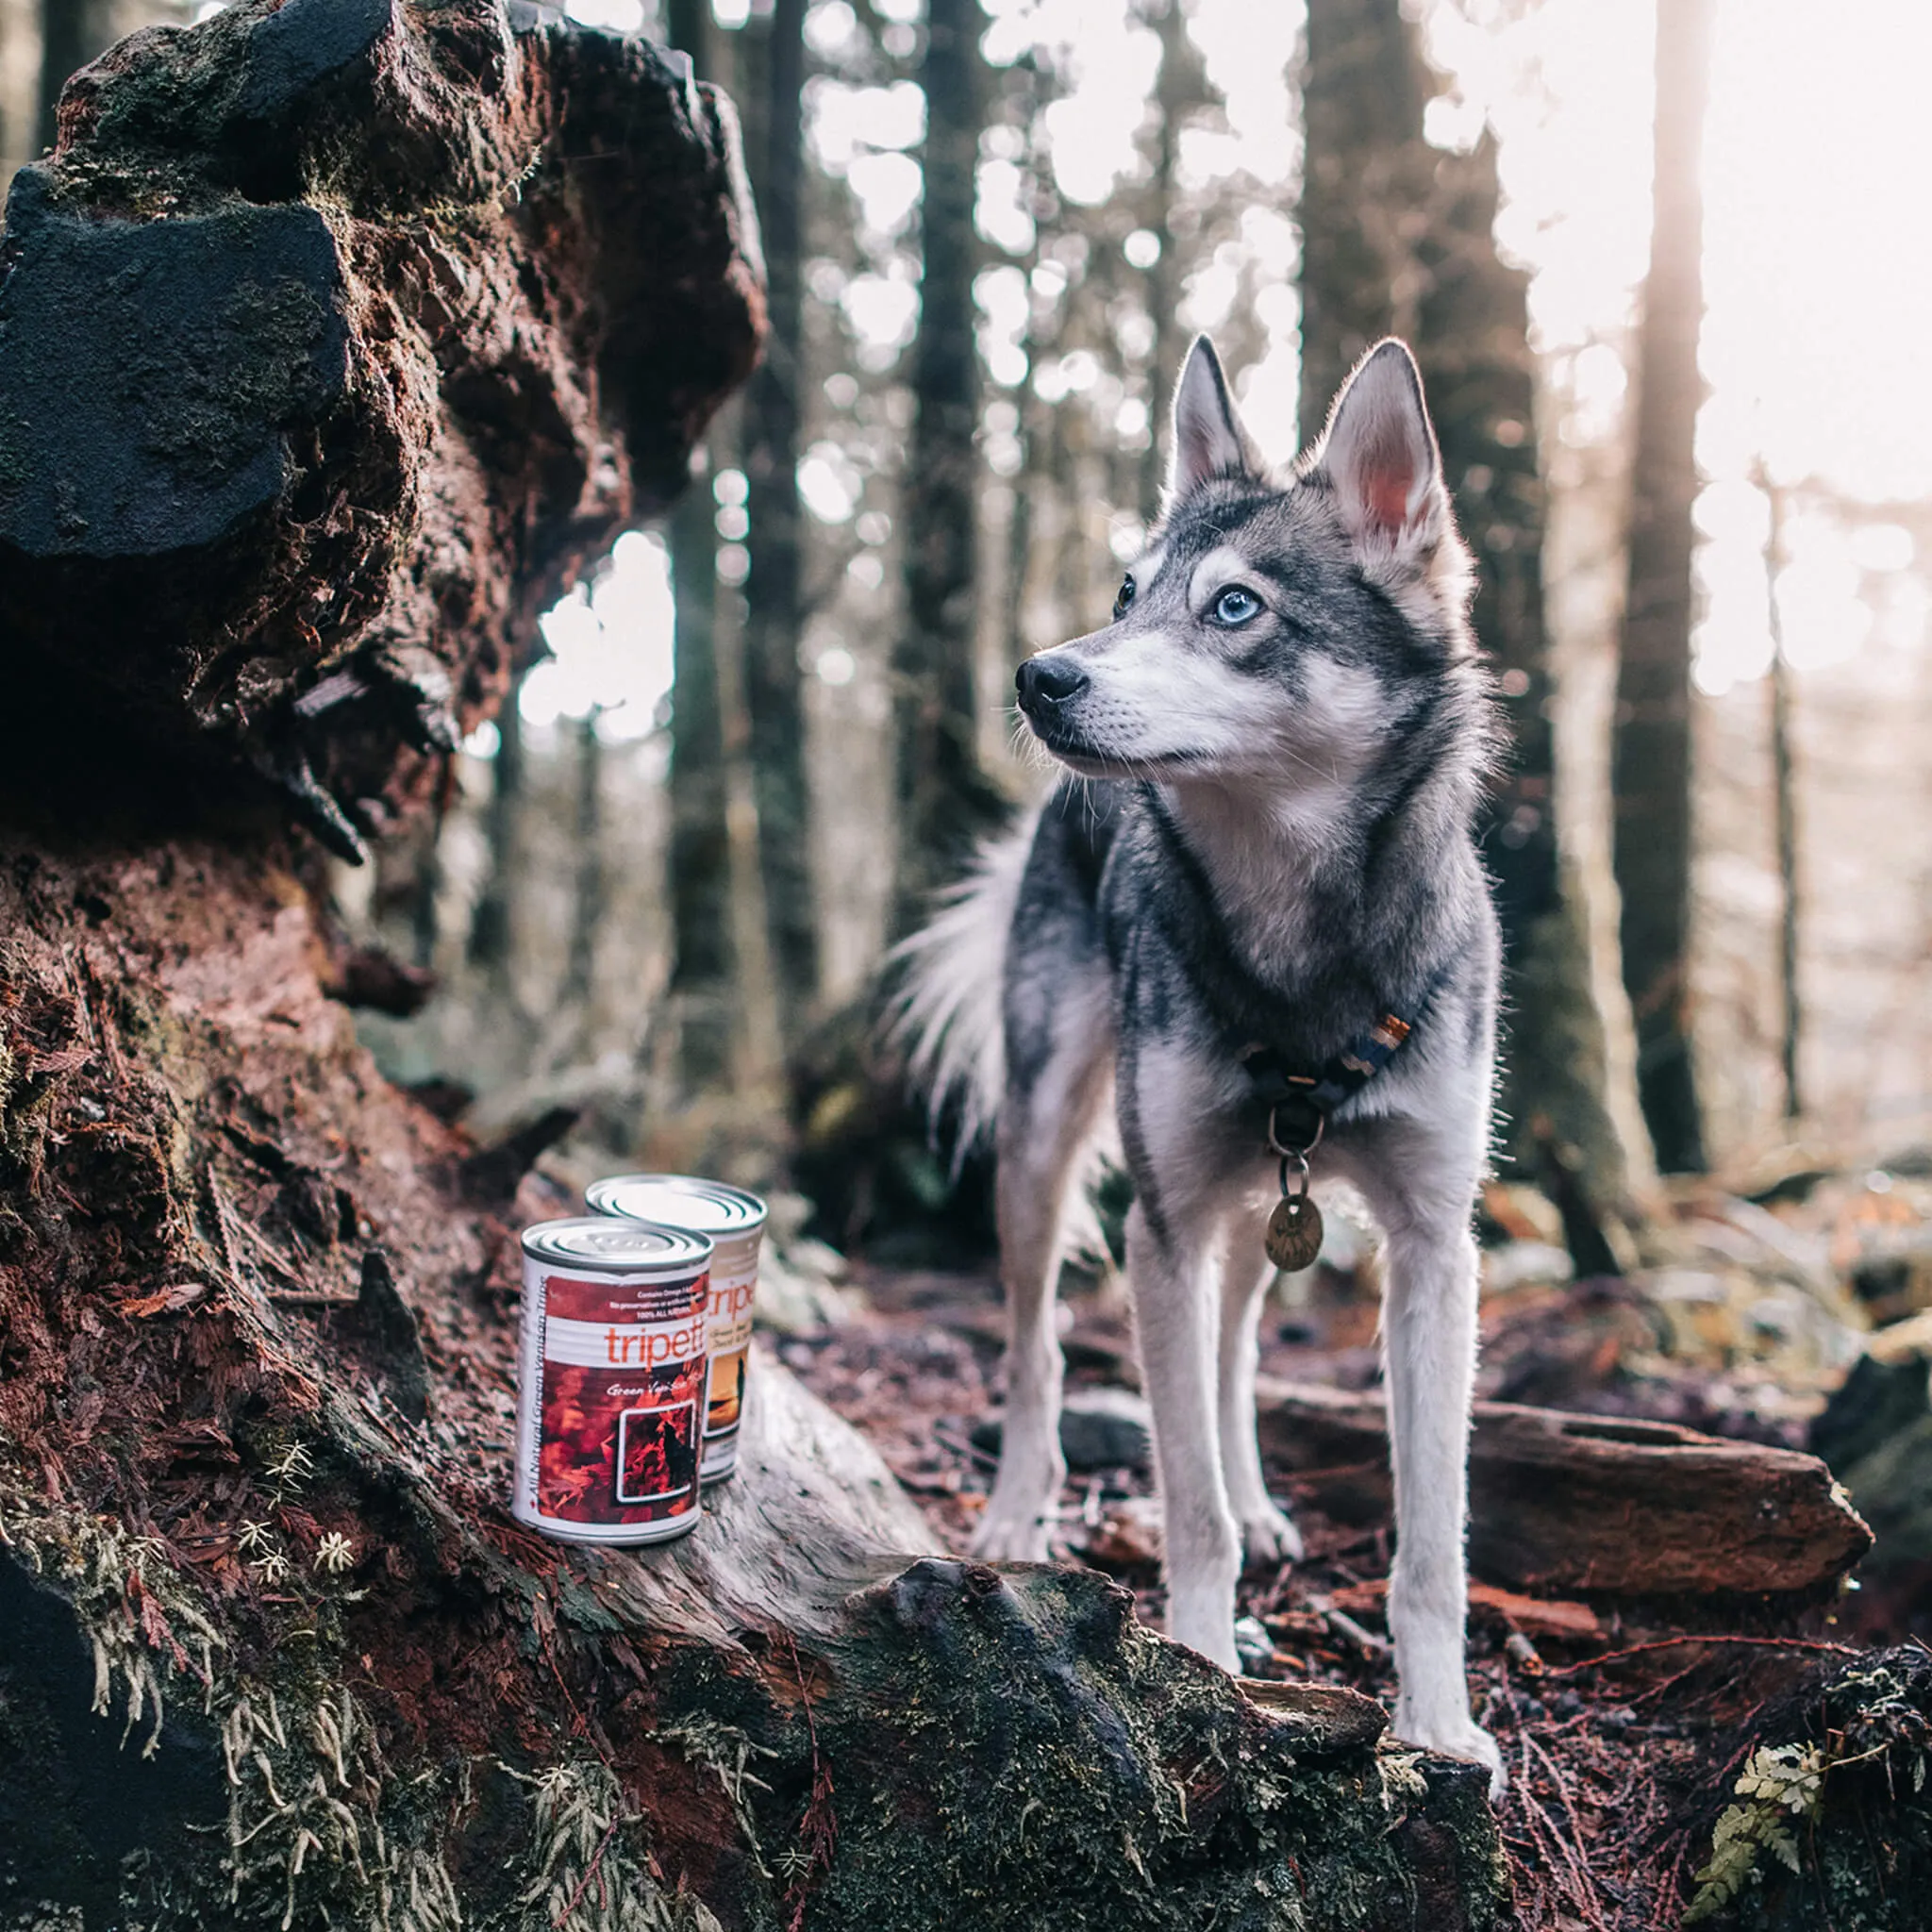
x=736 y=1222
x=610 y=1380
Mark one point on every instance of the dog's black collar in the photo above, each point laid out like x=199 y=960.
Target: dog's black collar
x=1299 y=1104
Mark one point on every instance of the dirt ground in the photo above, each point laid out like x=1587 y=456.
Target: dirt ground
x=1619 y=1728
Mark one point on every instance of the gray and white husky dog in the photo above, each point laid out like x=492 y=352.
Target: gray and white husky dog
x=1278 y=747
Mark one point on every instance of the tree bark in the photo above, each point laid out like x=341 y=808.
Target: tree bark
x=1399 y=236
x=1364 y=177
x=945 y=799
x=1650 y=764
x=245 y=470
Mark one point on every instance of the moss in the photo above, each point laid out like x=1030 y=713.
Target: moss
x=16 y=465
x=593 y=1864
x=322 y=1826
x=141 y=1627
x=1002 y=1750
x=1861 y=1846
x=26 y=1104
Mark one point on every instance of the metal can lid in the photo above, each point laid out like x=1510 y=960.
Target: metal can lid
x=679 y=1200
x=618 y=1245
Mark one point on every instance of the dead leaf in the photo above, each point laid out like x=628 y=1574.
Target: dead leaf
x=163 y=1301
x=1534 y=1616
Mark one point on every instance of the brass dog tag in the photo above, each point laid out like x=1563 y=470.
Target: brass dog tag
x=1295 y=1233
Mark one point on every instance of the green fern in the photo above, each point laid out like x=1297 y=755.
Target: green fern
x=1779 y=1784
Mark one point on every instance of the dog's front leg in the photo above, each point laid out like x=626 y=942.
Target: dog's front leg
x=1172 y=1270
x=1428 y=1338
x=1016 y=1527
x=1268 y=1535
x=1046 y=1121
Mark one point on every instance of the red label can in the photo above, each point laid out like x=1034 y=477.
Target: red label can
x=612 y=1375
x=734 y=1222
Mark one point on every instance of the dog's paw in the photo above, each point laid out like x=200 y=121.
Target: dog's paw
x=1011 y=1535
x=1269 y=1536
x=1459 y=1739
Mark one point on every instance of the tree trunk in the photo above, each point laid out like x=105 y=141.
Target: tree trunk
x=1650 y=763
x=1178 y=88
x=688 y=28
x=1365 y=177
x=1784 y=791
x=945 y=799
x=72 y=33
x=703 y=971
x=257 y=1307
x=589 y=901
x=704 y=968
x=756 y=1043
x=772 y=614
x=492 y=941
x=1398 y=237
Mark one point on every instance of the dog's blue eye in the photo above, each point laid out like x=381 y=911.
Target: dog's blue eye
x=1123 y=598
x=1236 y=605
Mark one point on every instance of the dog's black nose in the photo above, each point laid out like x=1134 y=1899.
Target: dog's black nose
x=1043 y=681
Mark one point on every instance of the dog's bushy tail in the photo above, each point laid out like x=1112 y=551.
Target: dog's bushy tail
x=945 y=1012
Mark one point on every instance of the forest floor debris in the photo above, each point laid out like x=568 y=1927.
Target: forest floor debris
x=1627 y=1721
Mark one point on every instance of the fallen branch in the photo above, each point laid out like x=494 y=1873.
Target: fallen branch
x=1591 y=1503
x=1613 y=1656
x=1534 y=1616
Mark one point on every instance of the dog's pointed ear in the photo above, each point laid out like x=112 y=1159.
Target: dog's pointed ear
x=1208 y=439
x=1379 y=451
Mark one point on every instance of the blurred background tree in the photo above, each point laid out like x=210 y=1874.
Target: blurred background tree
x=1652 y=753
x=751 y=748
x=1398 y=237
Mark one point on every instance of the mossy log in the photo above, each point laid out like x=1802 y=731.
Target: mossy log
x=337 y=334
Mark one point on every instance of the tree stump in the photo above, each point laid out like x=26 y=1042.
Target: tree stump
x=337 y=335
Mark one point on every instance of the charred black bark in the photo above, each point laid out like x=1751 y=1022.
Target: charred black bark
x=204 y=491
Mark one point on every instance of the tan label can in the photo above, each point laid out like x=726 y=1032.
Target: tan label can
x=734 y=1222
x=612 y=1380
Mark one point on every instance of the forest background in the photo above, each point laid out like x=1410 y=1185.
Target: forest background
x=1672 y=364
